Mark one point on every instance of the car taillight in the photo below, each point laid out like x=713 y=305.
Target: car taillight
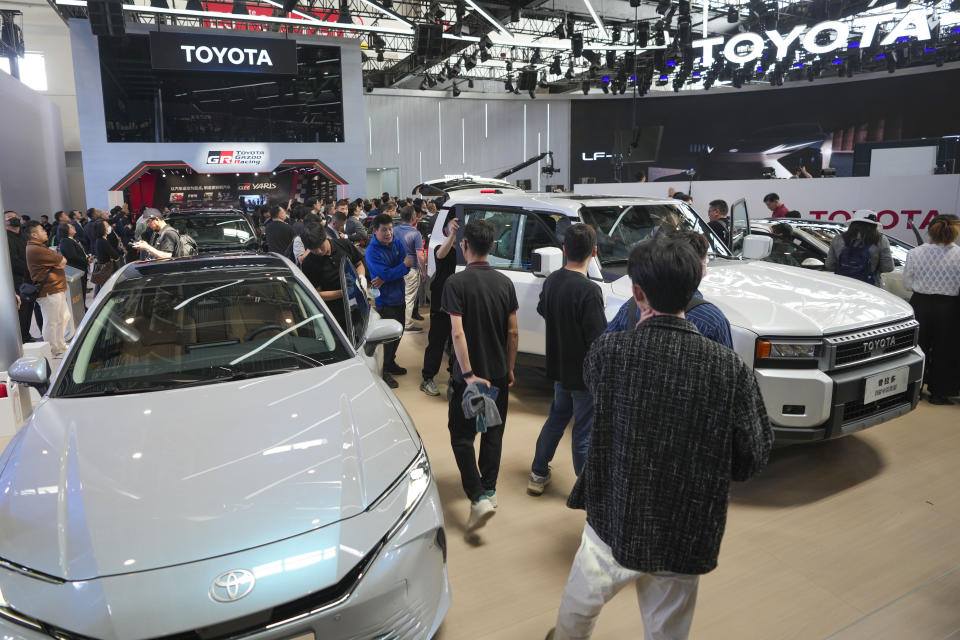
x=490 y=191
x=3 y=389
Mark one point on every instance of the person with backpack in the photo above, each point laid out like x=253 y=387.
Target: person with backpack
x=167 y=241
x=862 y=251
x=705 y=316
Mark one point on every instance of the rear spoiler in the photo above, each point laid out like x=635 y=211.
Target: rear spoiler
x=430 y=190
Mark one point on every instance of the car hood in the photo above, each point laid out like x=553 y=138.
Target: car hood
x=776 y=300
x=101 y=486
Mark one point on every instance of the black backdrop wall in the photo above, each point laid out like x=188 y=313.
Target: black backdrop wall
x=735 y=135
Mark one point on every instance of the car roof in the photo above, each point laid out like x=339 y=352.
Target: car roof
x=198 y=268
x=180 y=213
x=563 y=203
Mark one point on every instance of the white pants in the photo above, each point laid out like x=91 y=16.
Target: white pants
x=412 y=282
x=56 y=320
x=666 y=600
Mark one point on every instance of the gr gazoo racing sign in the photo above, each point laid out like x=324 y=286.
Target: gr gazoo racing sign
x=236 y=157
x=203 y=52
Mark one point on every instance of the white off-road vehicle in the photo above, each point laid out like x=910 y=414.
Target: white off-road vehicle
x=832 y=355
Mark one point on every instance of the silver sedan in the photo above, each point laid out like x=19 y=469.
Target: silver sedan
x=215 y=458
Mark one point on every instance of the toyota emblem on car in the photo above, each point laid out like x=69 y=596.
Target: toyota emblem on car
x=232 y=585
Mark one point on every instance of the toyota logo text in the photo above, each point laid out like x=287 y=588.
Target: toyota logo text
x=878 y=345
x=232 y=585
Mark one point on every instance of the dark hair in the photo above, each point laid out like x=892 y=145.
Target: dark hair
x=352 y=208
x=382 y=219
x=944 y=229
x=385 y=195
x=25 y=217
x=340 y=216
x=30 y=226
x=63 y=231
x=309 y=202
x=782 y=229
x=100 y=228
x=388 y=206
x=720 y=205
x=861 y=233
x=343 y=203
x=680 y=195
x=668 y=270
x=792 y=214
x=579 y=241
x=407 y=214
x=313 y=235
x=771 y=197
x=697 y=241
x=275 y=211
x=44 y=216
x=479 y=236
x=57 y=215
x=91 y=213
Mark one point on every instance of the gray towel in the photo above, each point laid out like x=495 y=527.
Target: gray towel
x=480 y=400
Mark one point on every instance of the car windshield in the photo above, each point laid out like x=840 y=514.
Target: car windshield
x=621 y=227
x=215 y=230
x=826 y=233
x=149 y=335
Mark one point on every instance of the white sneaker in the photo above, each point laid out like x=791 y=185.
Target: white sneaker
x=536 y=484
x=492 y=497
x=480 y=511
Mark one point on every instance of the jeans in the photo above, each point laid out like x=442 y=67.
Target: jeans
x=478 y=474
x=566 y=404
x=667 y=600
x=437 y=340
x=391 y=312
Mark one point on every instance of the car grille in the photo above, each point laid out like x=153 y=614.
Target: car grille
x=856 y=410
x=871 y=344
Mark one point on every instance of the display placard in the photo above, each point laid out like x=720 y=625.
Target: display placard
x=206 y=52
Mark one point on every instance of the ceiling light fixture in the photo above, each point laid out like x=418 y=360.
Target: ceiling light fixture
x=488 y=18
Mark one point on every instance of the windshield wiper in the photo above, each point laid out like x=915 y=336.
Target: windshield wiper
x=107 y=390
x=245 y=375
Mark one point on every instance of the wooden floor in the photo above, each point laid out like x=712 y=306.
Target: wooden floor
x=853 y=538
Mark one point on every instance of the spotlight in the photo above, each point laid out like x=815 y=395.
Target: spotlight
x=533 y=93
x=461 y=10
x=485 y=42
x=605 y=85
x=508 y=84
x=585 y=87
x=658 y=38
x=380 y=55
x=643 y=33
x=623 y=87
x=560 y=32
x=514 y=12
x=455 y=71
x=663 y=6
x=891 y=62
x=683 y=6
x=733 y=15
x=576 y=44
x=456 y=90
x=615 y=33
x=555 y=68
x=684 y=32
x=569 y=74
x=431 y=81
x=611 y=59
x=484 y=55
x=369 y=85
x=441 y=76
x=536 y=58
x=344 y=17
x=423 y=84
x=509 y=65
x=469 y=62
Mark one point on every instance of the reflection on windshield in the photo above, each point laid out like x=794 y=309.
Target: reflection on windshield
x=898 y=249
x=148 y=337
x=214 y=230
x=620 y=228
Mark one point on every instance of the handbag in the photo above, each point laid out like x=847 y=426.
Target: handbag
x=102 y=273
x=29 y=291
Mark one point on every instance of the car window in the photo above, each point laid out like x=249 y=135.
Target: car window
x=503 y=253
x=151 y=335
x=535 y=236
x=214 y=230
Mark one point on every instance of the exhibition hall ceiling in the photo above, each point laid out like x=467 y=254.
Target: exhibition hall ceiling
x=616 y=46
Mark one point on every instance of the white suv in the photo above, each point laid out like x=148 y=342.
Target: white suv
x=832 y=355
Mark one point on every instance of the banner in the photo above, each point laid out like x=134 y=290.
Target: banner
x=209 y=52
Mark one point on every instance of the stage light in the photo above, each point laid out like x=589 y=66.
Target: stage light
x=663 y=6
x=891 y=62
x=469 y=62
x=576 y=44
x=585 y=87
x=423 y=84
x=344 y=15
x=560 y=32
x=569 y=74
x=658 y=38
x=380 y=56
x=615 y=33
x=533 y=93
x=514 y=12
x=485 y=42
x=441 y=77
x=484 y=55
x=509 y=65
x=683 y=6
x=611 y=59
x=555 y=67
x=684 y=32
x=431 y=81
x=536 y=58
x=605 y=85
x=733 y=15
x=470 y=83
x=369 y=86
x=508 y=84
x=643 y=33
x=456 y=90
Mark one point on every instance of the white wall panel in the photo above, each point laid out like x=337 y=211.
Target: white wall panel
x=480 y=135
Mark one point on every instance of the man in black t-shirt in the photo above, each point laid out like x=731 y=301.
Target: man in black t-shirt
x=166 y=239
x=446 y=263
x=482 y=305
x=280 y=235
x=321 y=265
x=572 y=306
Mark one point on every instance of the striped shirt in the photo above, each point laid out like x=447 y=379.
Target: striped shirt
x=707 y=318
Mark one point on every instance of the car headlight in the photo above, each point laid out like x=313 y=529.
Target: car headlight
x=770 y=349
x=418 y=480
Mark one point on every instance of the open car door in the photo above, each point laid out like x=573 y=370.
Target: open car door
x=739 y=222
x=356 y=307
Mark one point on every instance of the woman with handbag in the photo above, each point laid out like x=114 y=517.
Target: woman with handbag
x=74 y=252
x=107 y=255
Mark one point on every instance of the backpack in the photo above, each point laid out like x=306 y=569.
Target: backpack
x=186 y=246
x=854 y=262
x=632 y=309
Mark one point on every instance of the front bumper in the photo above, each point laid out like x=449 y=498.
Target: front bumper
x=806 y=405
x=402 y=593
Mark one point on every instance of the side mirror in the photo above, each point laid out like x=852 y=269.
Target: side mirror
x=757 y=247
x=30 y=371
x=812 y=263
x=380 y=331
x=546 y=260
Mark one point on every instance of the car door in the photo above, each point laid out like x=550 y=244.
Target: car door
x=356 y=306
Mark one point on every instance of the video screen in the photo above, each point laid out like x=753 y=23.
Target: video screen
x=253 y=201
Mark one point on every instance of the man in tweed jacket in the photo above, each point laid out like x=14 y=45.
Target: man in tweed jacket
x=677 y=417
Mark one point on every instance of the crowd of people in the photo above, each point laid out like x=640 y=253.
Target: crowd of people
x=655 y=498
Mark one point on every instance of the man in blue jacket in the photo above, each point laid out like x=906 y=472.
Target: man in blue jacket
x=388 y=263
